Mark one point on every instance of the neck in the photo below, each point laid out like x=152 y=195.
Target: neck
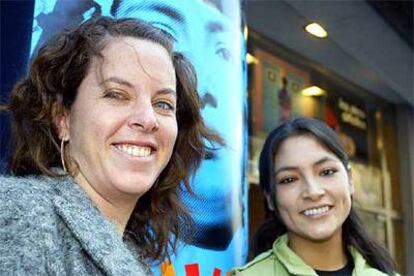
x=116 y=209
x=117 y=214
x=327 y=255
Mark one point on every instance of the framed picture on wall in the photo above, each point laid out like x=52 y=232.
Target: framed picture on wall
x=276 y=93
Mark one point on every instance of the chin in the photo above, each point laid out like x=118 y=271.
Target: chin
x=134 y=186
x=320 y=236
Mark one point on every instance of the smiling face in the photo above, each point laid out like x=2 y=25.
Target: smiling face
x=313 y=189
x=122 y=126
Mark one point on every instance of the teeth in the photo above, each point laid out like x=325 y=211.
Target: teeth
x=316 y=211
x=135 y=150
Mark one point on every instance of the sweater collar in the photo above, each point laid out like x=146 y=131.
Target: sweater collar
x=94 y=232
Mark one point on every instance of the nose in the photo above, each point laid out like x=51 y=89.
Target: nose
x=143 y=117
x=312 y=189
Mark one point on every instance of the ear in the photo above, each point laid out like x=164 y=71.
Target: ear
x=269 y=201
x=62 y=124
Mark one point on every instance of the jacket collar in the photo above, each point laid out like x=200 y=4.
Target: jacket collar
x=94 y=232
x=292 y=262
x=360 y=265
x=296 y=266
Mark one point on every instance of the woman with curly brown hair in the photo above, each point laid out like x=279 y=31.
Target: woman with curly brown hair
x=106 y=130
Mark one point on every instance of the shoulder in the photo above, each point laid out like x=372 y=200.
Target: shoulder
x=27 y=199
x=24 y=192
x=361 y=267
x=31 y=184
x=263 y=264
x=369 y=271
x=26 y=204
x=271 y=262
x=26 y=214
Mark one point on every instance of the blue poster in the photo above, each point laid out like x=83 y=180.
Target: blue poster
x=209 y=33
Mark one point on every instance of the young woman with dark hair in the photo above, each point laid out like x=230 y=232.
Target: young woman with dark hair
x=306 y=178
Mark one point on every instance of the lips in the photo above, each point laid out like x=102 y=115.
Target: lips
x=315 y=211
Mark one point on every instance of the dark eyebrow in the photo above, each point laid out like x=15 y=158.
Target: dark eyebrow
x=291 y=168
x=118 y=81
x=325 y=159
x=214 y=27
x=286 y=168
x=171 y=12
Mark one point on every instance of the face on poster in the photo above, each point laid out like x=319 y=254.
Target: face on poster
x=209 y=34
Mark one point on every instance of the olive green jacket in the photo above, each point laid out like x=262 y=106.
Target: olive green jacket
x=281 y=260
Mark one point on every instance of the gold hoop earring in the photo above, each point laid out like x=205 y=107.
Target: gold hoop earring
x=62 y=154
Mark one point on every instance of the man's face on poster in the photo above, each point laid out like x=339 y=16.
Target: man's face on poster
x=207 y=38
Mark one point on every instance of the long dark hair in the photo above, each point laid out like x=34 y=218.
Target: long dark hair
x=51 y=88
x=353 y=232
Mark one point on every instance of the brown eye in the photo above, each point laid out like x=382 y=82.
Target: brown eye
x=328 y=172
x=286 y=180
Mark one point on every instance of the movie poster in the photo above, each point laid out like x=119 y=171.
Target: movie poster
x=209 y=33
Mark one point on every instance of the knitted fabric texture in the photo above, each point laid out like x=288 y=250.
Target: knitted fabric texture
x=49 y=226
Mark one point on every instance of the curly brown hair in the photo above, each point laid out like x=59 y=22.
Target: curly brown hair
x=50 y=89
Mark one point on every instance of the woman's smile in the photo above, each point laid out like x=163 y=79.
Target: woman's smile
x=317 y=212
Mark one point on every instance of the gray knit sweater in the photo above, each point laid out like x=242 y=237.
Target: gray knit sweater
x=49 y=226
